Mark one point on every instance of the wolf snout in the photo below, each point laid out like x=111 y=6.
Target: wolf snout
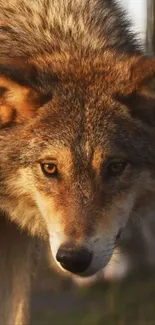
x=74 y=259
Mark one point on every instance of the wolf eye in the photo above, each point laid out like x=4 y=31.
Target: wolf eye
x=116 y=168
x=49 y=169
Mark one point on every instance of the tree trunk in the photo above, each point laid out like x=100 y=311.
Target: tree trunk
x=150 y=33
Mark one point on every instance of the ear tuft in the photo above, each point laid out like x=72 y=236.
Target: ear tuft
x=22 y=91
x=138 y=91
x=16 y=102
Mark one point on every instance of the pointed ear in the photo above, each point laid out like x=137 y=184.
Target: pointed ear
x=20 y=93
x=138 y=90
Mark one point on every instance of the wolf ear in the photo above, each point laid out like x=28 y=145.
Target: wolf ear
x=138 y=91
x=20 y=95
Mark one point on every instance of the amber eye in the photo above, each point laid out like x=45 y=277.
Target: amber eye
x=116 y=167
x=49 y=169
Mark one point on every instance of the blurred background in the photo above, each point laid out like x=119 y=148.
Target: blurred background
x=124 y=293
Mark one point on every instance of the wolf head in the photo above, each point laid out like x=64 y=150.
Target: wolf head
x=77 y=151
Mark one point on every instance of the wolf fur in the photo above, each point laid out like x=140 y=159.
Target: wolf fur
x=76 y=91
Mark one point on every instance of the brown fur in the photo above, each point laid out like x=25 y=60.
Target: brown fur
x=75 y=90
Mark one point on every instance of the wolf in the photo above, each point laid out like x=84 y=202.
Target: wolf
x=77 y=139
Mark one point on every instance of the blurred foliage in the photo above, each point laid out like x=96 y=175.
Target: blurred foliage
x=60 y=302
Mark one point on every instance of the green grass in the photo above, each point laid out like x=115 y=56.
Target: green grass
x=126 y=303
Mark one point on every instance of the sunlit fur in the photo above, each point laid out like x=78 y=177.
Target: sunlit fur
x=76 y=90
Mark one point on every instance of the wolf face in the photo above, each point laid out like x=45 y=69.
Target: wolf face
x=79 y=159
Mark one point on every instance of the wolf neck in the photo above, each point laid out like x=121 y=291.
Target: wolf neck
x=18 y=265
x=84 y=25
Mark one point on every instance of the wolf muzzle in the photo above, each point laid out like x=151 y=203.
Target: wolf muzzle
x=74 y=259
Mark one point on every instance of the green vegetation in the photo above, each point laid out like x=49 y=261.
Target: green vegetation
x=131 y=302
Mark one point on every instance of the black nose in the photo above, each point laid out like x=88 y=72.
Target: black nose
x=74 y=259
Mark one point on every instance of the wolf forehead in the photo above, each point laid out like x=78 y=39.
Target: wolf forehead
x=80 y=107
x=74 y=101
